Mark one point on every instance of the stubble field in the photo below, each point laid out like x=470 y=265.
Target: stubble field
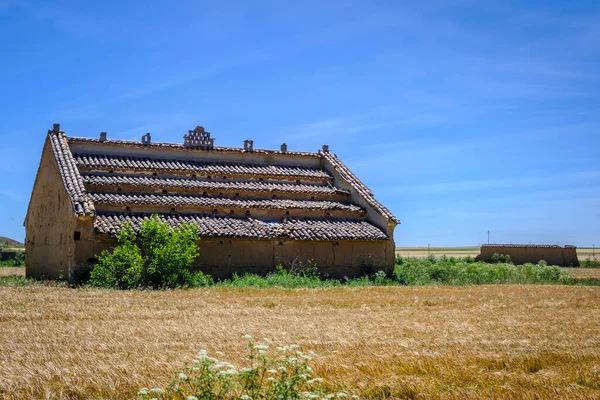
x=503 y=341
x=583 y=253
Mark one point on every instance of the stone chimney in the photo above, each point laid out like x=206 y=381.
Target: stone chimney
x=325 y=148
x=249 y=145
x=56 y=128
x=284 y=148
x=146 y=139
x=102 y=136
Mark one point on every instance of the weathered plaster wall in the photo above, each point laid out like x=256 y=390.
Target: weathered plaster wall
x=49 y=245
x=222 y=258
x=521 y=254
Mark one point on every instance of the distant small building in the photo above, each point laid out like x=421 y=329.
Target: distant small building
x=526 y=253
x=254 y=208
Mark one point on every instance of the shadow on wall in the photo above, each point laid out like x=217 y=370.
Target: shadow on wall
x=521 y=254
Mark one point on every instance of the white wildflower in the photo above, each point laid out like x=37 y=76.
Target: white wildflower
x=303 y=377
x=292 y=360
x=271 y=371
x=329 y=396
x=354 y=396
x=227 y=372
x=182 y=376
x=191 y=398
x=270 y=378
x=261 y=347
x=341 y=394
x=220 y=353
x=245 y=397
x=157 y=390
x=315 y=380
x=247 y=337
x=142 y=392
x=282 y=369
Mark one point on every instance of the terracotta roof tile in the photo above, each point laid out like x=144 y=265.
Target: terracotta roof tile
x=111 y=162
x=356 y=183
x=70 y=174
x=191 y=183
x=199 y=201
x=211 y=226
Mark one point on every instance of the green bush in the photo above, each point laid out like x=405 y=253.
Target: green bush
x=268 y=374
x=464 y=272
x=590 y=263
x=158 y=257
x=500 y=258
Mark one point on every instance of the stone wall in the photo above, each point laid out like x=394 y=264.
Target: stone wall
x=521 y=254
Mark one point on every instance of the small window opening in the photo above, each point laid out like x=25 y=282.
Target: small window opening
x=119 y=189
x=274 y=196
x=297 y=181
x=154 y=174
x=209 y=178
x=231 y=212
x=328 y=214
x=164 y=190
x=336 y=243
x=204 y=194
x=173 y=209
x=237 y=195
x=224 y=177
x=281 y=242
x=193 y=175
x=215 y=211
x=127 y=208
x=247 y=212
x=260 y=179
x=287 y=213
x=221 y=194
x=312 y=197
x=111 y=171
x=221 y=243
x=76 y=235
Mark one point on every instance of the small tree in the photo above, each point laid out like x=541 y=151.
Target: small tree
x=162 y=259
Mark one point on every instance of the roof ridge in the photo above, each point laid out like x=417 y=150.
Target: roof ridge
x=178 y=146
x=72 y=180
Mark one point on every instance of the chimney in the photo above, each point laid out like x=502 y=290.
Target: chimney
x=146 y=139
x=56 y=128
x=249 y=145
x=325 y=148
x=284 y=148
x=102 y=136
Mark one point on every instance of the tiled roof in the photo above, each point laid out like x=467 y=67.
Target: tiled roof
x=111 y=162
x=210 y=226
x=198 y=201
x=174 y=146
x=70 y=175
x=190 y=183
x=360 y=187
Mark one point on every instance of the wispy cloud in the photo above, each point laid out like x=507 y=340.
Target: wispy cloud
x=591 y=177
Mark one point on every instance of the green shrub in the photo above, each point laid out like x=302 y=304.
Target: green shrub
x=158 y=257
x=590 y=263
x=459 y=272
x=500 y=258
x=268 y=374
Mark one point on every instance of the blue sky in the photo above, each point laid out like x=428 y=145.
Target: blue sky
x=461 y=116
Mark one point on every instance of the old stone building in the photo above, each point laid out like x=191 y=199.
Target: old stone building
x=254 y=208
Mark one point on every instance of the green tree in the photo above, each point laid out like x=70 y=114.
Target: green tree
x=159 y=257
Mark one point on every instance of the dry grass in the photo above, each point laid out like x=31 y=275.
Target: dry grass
x=8 y=271
x=583 y=273
x=428 y=342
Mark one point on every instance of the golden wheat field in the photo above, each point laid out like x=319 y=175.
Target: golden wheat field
x=583 y=253
x=504 y=341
